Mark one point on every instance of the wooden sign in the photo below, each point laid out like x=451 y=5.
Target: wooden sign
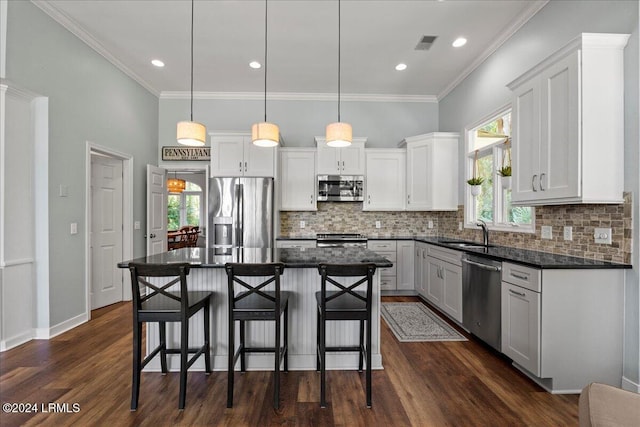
x=186 y=153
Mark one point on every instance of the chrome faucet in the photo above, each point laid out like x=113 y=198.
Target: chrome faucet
x=485 y=232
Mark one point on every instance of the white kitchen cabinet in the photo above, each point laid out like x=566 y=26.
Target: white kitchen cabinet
x=384 y=180
x=567 y=125
x=432 y=171
x=298 y=179
x=421 y=269
x=233 y=154
x=444 y=287
x=296 y=243
x=341 y=161
x=563 y=327
x=386 y=248
x=404 y=268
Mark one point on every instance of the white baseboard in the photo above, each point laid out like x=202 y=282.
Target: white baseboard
x=629 y=385
x=15 y=340
x=44 y=333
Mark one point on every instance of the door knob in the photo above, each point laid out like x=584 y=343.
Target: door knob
x=152 y=235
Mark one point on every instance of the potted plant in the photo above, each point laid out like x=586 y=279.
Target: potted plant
x=505 y=170
x=476 y=181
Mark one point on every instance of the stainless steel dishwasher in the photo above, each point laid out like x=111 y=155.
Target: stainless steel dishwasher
x=481 y=301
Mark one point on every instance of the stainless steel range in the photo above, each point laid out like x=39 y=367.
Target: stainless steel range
x=341 y=240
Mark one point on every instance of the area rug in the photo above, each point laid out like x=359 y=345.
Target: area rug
x=413 y=322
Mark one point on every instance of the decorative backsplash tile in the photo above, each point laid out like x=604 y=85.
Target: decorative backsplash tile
x=349 y=218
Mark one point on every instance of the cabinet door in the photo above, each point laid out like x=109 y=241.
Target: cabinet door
x=425 y=272
x=385 y=180
x=405 y=265
x=352 y=160
x=227 y=155
x=417 y=268
x=328 y=159
x=452 y=298
x=435 y=286
x=297 y=180
x=521 y=326
x=419 y=156
x=525 y=118
x=559 y=138
x=258 y=161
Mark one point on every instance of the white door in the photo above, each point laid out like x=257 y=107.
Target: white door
x=106 y=231
x=156 y=210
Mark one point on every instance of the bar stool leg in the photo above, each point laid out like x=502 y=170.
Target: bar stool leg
x=243 y=366
x=207 y=346
x=276 y=371
x=318 y=340
x=369 y=363
x=184 y=357
x=230 y=367
x=361 y=350
x=286 y=338
x=162 y=327
x=137 y=362
x=323 y=354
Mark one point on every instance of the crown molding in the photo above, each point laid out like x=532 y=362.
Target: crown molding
x=509 y=31
x=77 y=30
x=294 y=96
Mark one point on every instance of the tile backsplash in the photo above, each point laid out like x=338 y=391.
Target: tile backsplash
x=349 y=218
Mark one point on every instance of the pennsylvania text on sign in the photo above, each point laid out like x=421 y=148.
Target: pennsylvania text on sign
x=186 y=153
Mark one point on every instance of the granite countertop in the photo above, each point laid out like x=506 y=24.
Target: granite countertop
x=290 y=257
x=536 y=259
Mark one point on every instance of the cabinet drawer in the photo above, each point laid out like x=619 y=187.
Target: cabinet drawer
x=382 y=245
x=387 y=283
x=295 y=243
x=448 y=255
x=527 y=277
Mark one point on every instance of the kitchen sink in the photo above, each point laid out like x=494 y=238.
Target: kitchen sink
x=463 y=245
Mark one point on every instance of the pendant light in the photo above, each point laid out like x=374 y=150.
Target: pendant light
x=189 y=132
x=265 y=134
x=175 y=185
x=339 y=134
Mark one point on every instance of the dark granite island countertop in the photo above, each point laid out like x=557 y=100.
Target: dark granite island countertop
x=290 y=257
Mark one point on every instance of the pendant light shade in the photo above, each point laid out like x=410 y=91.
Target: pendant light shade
x=339 y=134
x=175 y=185
x=189 y=132
x=265 y=134
x=192 y=133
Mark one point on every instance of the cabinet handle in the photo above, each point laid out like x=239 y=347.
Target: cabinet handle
x=541 y=176
x=533 y=185
x=369 y=198
x=518 y=276
x=343 y=165
x=245 y=166
x=338 y=165
x=240 y=166
x=520 y=294
x=312 y=199
x=408 y=199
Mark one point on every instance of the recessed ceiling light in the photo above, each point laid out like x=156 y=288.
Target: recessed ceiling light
x=157 y=63
x=255 y=64
x=401 y=67
x=460 y=41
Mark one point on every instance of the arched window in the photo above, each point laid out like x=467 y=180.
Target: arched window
x=186 y=208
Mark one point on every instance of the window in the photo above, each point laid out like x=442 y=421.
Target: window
x=185 y=208
x=489 y=151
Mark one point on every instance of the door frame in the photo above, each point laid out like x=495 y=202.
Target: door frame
x=196 y=168
x=127 y=216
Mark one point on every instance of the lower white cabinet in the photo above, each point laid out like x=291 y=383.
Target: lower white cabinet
x=400 y=277
x=386 y=248
x=296 y=243
x=444 y=284
x=421 y=269
x=404 y=266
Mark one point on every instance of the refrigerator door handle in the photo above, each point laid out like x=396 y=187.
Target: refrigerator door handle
x=240 y=211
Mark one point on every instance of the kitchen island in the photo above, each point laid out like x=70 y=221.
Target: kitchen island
x=300 y=276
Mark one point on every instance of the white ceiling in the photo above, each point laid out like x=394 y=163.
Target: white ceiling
x=302 y=43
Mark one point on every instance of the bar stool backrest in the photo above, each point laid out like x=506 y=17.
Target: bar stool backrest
x=236 y=270
x=363 y=270
x=143 y=290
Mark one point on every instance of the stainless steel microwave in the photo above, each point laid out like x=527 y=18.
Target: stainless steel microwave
x=340 y=188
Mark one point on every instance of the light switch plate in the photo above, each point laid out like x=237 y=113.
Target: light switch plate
x=602 y=235
x=430 y=224
x=63 y=191
x=460 y=226
x=136 y=225
x=74 y=228
x=302 y=224
x=546 y=232
x=568 y=232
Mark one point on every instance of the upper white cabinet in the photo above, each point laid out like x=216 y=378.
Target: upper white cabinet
x=384 y=180
x=341 y=161
x=567 y=125
x=298 y=179
x=432 y=171
x=233 y=154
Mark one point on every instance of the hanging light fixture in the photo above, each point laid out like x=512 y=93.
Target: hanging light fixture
x=339 y=134
x=190 y=132
x=265 y=134
x=175 y=185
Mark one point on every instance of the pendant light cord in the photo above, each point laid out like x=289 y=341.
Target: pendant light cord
x=339 y=26
x=265 y=59
x=192 y=2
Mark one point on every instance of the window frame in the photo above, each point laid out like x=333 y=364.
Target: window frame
x=499 y=207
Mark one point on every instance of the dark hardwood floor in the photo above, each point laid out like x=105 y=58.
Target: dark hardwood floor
x=423 y=384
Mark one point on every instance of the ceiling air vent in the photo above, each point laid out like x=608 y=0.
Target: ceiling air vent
x=425 y=42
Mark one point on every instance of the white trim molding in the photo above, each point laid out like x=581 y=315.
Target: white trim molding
x=629 y=385
x=292 y=96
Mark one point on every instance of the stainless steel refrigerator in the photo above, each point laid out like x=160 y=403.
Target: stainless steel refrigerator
x=240 y=213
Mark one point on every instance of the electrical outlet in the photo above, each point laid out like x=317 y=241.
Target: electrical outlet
x=302 y=224
x=136 y=225
x=430 y=224
x=546 y=232
x=460 y=226
x=602 y=235
x=378 y=225
x=568 y=232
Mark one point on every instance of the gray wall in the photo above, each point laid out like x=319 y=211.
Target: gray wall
x=383 y=123
x=89 y=100
x=484 y=91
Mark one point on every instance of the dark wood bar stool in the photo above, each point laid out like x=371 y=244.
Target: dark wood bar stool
x=345 y=303
x=253 y=303
x=155 y=303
